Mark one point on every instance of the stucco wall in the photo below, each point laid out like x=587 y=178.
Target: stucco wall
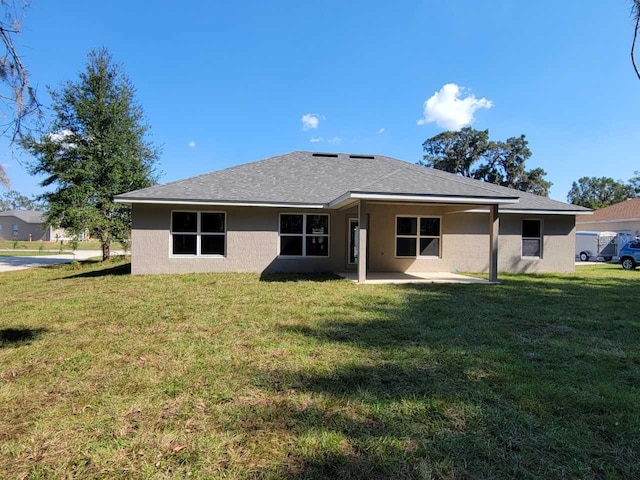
x=24 y=230
x=558 y=248
x=253 y=242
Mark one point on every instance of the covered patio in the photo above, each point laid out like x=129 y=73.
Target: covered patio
x=449 y=205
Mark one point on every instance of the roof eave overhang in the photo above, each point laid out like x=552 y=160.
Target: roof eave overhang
x=545 y=212
x=169 y=201
x=350 y=197
x=619 y=220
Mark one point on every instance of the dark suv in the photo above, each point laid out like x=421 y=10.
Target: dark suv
x=630 y=255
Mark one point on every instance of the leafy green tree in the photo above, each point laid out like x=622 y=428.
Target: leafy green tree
x=598 y=192
x=12 y=200
x=470 y=153
x=456 y=152
x=95 y=148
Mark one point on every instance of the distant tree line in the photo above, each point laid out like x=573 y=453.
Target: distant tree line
x=599 y=192
x=12 y=200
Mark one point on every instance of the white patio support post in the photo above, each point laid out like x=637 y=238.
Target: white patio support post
x=362 y=241
x=494 y=231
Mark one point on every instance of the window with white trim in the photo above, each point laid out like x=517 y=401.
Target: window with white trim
x=532 y=238
x=417 y=236
x=15 y=229
x=198 y=233
x=304 y=235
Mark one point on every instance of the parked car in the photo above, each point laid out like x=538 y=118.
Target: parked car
x=630 y=255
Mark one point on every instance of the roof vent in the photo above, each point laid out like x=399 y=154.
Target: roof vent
x=330 y=155
x=364 y=157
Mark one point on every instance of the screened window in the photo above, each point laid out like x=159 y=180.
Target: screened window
x=304 y=235
x=532 y=238
x=198 y=233
x=417 y=237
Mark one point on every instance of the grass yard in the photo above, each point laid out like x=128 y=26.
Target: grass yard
x=105 y=375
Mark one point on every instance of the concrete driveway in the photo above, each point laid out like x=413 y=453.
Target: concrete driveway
x=10 y=264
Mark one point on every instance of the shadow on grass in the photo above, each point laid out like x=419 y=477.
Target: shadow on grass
x=299 y=277
x=19 y=336
x=124 y=269
x=536 y=377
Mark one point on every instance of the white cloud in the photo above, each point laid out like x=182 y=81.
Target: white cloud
x=311 y=121
x=381 y=131
x=61 y=138
x=191 y=144
x=315 y=139
x=334 y=140
x=449 y=110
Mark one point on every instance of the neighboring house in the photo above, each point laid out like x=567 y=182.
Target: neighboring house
x=312 y=212
x=27 y=225
x=623 y=217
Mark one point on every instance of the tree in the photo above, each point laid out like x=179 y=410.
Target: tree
x=95 y=148
x=635 y=11
x=634 y=182
x=599 y=192
x=456 y=152
x=17 y=96
x=12 y=200
x=470 y=153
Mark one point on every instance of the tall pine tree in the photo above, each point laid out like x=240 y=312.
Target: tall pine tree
x=95 y=148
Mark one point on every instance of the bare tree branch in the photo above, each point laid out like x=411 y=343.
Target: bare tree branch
x=635 y=10
x=20 y=97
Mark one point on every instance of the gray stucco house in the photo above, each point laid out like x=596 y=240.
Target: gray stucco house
x=312 y=212
x=25 y=225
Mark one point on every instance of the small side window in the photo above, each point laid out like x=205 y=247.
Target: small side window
x=532 y=238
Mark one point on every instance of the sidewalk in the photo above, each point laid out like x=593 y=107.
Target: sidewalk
x=10 y=264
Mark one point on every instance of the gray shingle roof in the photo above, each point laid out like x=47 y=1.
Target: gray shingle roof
x=27 y=216
x=306 y=178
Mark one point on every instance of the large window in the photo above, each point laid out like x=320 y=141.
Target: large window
x=417 y=236
x=304 y=235
x=198 y=233
x=532 y=238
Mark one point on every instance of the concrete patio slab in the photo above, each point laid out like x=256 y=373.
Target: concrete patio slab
x=414 y=277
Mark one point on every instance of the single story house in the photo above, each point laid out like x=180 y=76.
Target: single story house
x=623 y=217
x=27 y=225
x=313 y=212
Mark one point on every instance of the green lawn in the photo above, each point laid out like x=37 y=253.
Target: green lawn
x=105 y=375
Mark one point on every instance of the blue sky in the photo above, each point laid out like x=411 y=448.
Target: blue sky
x=223 y=83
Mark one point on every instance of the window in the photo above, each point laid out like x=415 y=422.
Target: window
x=532 y=238
x=15 y=229
x=198 y=233
x=417 y=236
x=304 y=235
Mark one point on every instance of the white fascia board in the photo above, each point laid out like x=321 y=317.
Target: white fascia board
x=216 y=203
x=620 y=220
x=546 y=212
x=420 y=199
